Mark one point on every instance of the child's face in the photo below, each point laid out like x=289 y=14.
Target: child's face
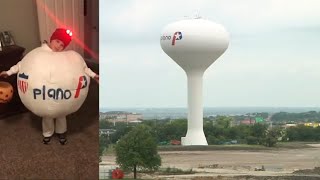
x=56 y=45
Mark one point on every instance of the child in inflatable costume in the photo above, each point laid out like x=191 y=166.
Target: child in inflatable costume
x=59 y=40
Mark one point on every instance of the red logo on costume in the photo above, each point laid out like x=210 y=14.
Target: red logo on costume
x=81 y=84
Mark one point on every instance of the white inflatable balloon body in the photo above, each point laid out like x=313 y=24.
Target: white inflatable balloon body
x=52 y=84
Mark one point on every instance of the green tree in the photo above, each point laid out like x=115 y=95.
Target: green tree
x=244 y=131
x=170 y=130
x=302 y=133
x=103 y=124
x=103 y=144
x=259 y=131
x=121 y=129
x=232 y=133
x=272 y=136
x=138 y=150
x=252 y=140
x=296 y=117
x=223 y=122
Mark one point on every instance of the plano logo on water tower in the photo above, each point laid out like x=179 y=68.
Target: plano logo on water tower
x=176 y=36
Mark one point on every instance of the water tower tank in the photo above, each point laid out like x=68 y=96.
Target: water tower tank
x=194 y=44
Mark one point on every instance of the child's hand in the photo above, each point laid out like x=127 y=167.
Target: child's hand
x=96 y=78
x=4 y=74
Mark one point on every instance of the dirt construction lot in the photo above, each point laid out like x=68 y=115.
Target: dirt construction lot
x=224 y=164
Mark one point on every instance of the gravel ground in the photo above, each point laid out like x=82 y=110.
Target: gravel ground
x=240 y=164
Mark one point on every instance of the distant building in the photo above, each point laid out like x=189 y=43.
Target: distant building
x=259 y=119
x=102 y=115
x=289 y=125
x=312 y=124
x=106 y=131
x=248 y=121
x=121 y=116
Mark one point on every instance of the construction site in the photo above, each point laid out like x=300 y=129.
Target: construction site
x=275 y=163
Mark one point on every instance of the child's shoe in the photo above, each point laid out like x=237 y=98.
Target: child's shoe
x=62 y=138
x=46 y=140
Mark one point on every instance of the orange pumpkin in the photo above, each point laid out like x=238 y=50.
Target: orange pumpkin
x=6 y=92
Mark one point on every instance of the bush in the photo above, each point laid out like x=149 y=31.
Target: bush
x=212 y=140
x=251 y=140
x=175 y=171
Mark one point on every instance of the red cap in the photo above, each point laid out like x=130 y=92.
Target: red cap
x=63 y=35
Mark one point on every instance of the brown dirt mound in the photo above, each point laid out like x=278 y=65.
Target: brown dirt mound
x=258 y=178
x=315 y=170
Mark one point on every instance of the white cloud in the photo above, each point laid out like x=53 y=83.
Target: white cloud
x=246 y=16
x=138 y=15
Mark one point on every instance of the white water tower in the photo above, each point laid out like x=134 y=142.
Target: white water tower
x=194 y=44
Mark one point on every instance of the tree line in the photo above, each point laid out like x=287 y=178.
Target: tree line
x=310 y=116
x=217 y=131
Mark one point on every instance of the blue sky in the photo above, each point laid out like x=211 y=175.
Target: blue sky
x=272 y=60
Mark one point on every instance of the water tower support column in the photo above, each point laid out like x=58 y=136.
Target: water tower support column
x=194 y=44
x=195 y=134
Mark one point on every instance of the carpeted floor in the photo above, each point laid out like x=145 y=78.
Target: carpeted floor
x=23 y=156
